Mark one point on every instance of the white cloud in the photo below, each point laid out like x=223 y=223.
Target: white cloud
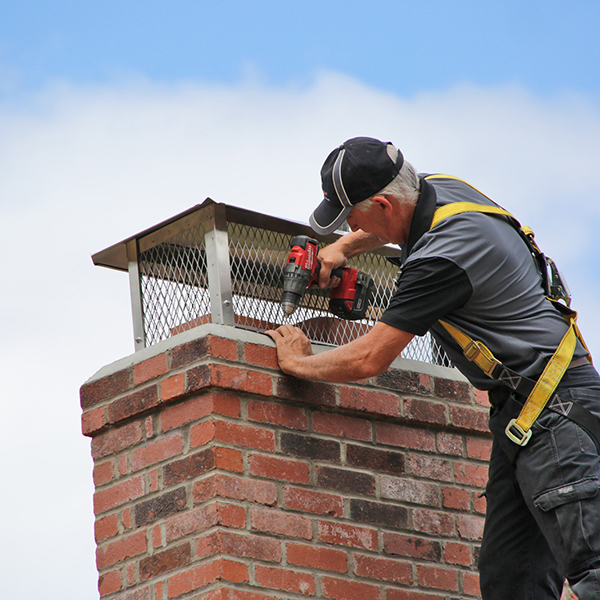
x=82 y=168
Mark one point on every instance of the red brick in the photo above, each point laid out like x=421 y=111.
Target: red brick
x=172 y=387
x=125 y=547
x=342 y=589
x=384 y=569
x=116 y=440
x=234 y=571
x=347 y=535
x=342 y=426
x=378 y=513
x=191 y=466
x=160 y=506
x=480 y=448
x=308 y=392
x=470 y=584
x=163 y=562
x=192 y=521
x=104 y=389
x=425 y=411
x=410 y=490
x=110 y=582
x=156 y=451
x=278 y=468
x=437 y=578
x=93 y=421
x=393 y=594
x=479 y=503
x=106 y=527
x=315 y=557
x=406 y=437
x=470 y=526
x=433 y=522
x=407 y=382
x=237 y=488
x=449 y=443
x=346 y=480
x=309 y=446
x=455 y=498
x=240 y=379
x=222 y=347
x=244 y=435
x=430 y=467
x=186 y=412
x=470 y=474
x=208 y=545
x=480 y=397
x=251 y=546
x=375 y=459
x=363 y=399
x=285 y=579
x=262 y=356
x=202 y=434
x=137 y=593
x=277 y=414
x=231 y=515
x=414 y=547
x=193 y=579
x=117 y=494
x=103 y=473
x=133 y=404
x=314 y=502
x=457 y=554
x=280 y=523
x=457 y=391
x=230 y=459
x=472 y=419
x=150 y=369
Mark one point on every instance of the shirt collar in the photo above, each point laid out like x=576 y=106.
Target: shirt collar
x=422 y=217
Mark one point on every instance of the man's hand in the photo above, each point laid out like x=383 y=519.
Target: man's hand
x=292 y=344
x=331 y=257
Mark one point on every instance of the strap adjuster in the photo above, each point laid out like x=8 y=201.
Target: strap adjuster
x=517 y=434
x=477 y=352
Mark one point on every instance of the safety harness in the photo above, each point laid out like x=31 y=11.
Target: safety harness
x=539 y=393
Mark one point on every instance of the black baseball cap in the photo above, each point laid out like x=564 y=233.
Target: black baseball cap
x=355 y=171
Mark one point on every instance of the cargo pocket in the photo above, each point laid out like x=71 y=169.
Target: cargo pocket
x=576 y=507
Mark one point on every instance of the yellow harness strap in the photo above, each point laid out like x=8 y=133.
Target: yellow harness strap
x=519 y=429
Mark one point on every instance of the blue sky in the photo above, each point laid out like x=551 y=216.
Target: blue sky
x=115 y=116
x=549 y=46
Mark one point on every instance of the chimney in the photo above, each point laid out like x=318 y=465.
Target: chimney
x=219 y=477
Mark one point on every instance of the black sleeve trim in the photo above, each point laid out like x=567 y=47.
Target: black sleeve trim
x=428 y=290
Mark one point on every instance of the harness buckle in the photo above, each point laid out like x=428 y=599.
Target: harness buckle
x=517 y=434
x=477 y=352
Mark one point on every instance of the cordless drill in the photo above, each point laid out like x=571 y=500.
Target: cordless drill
x=349 y=300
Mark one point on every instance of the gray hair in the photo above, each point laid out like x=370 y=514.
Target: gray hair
x=404 y=187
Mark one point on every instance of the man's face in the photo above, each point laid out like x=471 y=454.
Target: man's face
x=373 y=220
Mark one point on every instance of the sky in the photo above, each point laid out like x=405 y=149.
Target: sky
x=115 y=116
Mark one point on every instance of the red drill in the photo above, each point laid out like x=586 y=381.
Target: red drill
x=349 y=300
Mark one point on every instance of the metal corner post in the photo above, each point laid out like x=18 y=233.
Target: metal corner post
x=216 y=242
x=137 y=307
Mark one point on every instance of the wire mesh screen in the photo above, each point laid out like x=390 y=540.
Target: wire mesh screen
x=174 y=285
x=257 y=260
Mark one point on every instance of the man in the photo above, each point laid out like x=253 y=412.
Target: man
x=474 y=272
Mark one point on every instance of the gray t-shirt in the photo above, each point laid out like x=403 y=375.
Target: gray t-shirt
x=474 y=271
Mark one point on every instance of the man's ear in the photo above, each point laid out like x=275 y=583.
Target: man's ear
x=382 y=201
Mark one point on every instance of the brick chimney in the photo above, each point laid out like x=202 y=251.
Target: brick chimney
x=218 y=477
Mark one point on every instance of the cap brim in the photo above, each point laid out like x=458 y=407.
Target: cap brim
x=328 y=217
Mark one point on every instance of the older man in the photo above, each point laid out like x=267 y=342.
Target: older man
x=469 y=278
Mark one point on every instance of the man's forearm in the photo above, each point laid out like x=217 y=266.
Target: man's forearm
x=357 y=242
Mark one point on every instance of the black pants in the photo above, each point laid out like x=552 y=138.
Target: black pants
x=543 y=510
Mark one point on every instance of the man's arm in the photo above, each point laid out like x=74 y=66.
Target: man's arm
x=365 y=357
x=336 y=255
